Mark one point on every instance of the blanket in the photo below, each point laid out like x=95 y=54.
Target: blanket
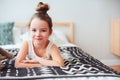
x=77 y=64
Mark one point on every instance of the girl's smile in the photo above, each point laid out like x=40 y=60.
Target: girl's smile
x=38 y=38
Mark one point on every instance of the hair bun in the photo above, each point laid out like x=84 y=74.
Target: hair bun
x=42 y=8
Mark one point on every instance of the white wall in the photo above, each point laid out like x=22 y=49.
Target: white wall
x=91 y=20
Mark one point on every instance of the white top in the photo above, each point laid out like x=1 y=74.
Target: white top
x=31 y=52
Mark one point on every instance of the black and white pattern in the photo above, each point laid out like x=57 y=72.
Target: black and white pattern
x=77 y=64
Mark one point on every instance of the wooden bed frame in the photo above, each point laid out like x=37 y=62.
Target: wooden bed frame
x=59 y=24
x=115 y=37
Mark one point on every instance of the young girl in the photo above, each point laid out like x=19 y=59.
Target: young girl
x=39 y=51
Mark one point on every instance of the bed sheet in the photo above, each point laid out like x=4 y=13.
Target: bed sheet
x=78 y=65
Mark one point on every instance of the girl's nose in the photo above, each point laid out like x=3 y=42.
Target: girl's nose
x=38 y=33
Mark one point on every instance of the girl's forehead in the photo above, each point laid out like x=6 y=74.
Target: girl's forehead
x=38 y=23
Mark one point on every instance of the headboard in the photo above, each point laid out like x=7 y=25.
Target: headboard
x=66 y=27
x=115 y=37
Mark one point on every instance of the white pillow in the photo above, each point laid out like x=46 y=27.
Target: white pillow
x=25 y=36
x=56 y=37
x=60 y=35
x=17 y=32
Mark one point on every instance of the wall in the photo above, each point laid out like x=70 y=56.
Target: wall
x=91 y=20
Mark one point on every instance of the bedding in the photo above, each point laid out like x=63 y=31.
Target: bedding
x=57 y=37
x=78 y=65
x=6 y=34
x=15 y=33
x=18 y=31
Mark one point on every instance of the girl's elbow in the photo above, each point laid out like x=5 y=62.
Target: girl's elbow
x=17 y=65
x=61 y=64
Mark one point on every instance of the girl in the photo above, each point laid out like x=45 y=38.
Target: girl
x=39 y=50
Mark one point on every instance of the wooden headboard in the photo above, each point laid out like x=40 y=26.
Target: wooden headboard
x=115 y=37
x=56 y=24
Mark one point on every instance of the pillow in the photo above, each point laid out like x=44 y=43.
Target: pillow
x=6 y=34
x=20 y=30
x=56 y=37
x=60 y=35
x=25 y=36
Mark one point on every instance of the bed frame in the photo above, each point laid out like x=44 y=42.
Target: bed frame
x=115 y=37
x=70 y=36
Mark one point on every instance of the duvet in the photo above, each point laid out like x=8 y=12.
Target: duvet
x=78 y=65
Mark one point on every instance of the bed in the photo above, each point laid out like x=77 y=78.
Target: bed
x=78 y=64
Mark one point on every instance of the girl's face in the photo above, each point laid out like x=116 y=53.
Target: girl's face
x=39 y=30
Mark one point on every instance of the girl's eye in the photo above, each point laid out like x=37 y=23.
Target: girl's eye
x=34 y=30
x=43 y=30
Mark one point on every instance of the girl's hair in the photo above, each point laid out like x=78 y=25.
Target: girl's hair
x=42 y=14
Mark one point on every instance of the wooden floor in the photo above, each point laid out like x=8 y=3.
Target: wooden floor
x=116 y=67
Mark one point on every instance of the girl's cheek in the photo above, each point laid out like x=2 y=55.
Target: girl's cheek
x=47 y=36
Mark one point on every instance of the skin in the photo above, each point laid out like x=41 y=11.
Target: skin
x=40 y=33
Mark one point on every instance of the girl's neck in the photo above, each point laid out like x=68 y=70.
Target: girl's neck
x=41 y=45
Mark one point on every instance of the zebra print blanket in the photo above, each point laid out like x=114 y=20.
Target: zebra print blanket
x=77 y=64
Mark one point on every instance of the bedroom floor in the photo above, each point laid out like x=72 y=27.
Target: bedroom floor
x=116 y=67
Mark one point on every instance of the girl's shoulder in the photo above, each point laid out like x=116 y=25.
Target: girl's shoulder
x=25 y=43
x=54 y=47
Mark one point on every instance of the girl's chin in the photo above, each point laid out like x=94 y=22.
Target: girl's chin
x=37 y=42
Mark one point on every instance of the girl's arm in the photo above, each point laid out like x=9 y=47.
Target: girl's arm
x=21 y=61
x=57 y=59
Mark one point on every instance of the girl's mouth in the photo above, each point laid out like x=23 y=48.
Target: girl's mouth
x=38 y=38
